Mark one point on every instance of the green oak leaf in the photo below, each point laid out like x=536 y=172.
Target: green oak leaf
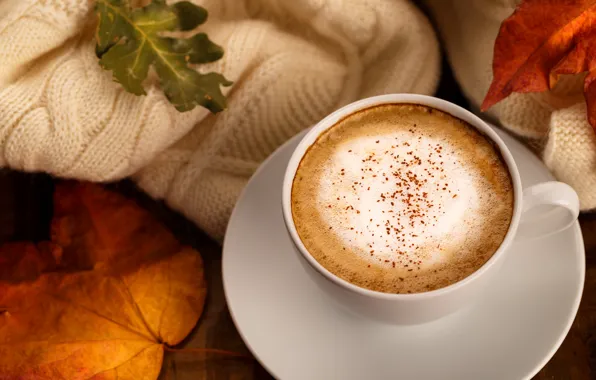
x=130 y=40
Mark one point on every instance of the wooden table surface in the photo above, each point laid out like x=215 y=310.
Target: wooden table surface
x=25 y=201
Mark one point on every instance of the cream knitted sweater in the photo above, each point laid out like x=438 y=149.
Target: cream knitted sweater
x=554 y=123
x=292 y=62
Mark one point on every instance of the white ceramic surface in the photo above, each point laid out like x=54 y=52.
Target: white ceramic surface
x=296 y=333
x=427 y=306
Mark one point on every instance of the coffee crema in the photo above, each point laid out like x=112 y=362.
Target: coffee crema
x=402 y=198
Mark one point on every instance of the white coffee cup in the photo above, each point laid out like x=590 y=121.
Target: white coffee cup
x=431 y=305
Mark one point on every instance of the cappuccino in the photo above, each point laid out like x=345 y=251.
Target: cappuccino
x=402 y=198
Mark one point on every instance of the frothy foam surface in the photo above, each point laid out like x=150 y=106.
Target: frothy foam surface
x=402 y=198
x=398 y=195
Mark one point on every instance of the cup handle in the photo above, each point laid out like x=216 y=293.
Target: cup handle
x=547 y=208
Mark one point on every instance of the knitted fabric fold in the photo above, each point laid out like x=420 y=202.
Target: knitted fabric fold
x=292 y=63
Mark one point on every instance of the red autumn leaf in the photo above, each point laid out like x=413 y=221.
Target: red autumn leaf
x=540 y=41
x=103 y=300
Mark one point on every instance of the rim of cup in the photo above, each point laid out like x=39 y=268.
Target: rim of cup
x=332 y=119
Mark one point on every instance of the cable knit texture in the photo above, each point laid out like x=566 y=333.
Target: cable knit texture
x=292 y=62
x=554 y=123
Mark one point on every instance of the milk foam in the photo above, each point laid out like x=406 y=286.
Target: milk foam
x=395 y=199
x=402 y=198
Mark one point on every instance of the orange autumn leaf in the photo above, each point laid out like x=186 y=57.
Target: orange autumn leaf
x=26 y=261
x=98 y=227
x=540 y=41
x=102 y=309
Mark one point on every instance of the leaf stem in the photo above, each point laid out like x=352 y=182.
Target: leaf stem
x=207 y=351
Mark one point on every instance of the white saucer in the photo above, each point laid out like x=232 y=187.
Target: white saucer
x=296 y=333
